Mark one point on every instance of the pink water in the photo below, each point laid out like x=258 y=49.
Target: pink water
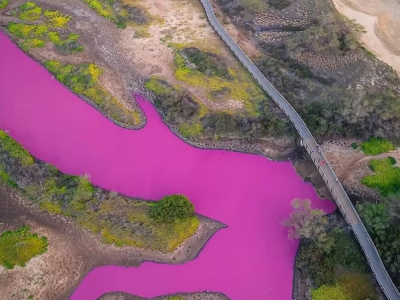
x=252 y=259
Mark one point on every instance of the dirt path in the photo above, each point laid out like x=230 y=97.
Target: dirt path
x=381 y=19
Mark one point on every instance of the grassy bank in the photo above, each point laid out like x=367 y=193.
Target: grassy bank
x=196 y=122
x=114 y=219
x=222 y=82
x=83 y=79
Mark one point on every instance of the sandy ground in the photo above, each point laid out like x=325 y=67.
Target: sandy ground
x=72 y=252
x=381 y=19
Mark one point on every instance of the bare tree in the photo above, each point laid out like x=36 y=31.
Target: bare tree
x=308 y=223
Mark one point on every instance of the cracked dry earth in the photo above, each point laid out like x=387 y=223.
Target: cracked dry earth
x=73 y=252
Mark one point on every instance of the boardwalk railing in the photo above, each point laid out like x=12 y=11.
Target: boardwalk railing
x=340 y=196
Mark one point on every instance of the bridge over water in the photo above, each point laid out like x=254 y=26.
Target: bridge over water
x=338 y=193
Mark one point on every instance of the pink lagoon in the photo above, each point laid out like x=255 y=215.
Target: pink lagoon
x=250 y=259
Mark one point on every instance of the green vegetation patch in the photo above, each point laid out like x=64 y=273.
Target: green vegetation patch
x=205 y=62
x=349 y=286
x=172 y=208
x=375 y=146
x=122 y=13
x=24 y=31
x=177 y=107
x=202 y=69
x=254 y=5
x=29 y=11
x=386 y=178
x=83 y=80
x=20 y=246
x=56 y=19
x=3 y=3
x=194 y=120
x=15 y=150
x=36 y=36
x=326 y=292
x=382 y=222
x=320 y=265
x=161 y=226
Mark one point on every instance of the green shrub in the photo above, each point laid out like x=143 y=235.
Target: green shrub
x=354 y=145
x=3 y=3
x=18 y=247
x=6 y=178
x=29 y=11
x=54 y=37
x=191 y=129
x=329 y=293
x=56 y=19
x=51 y=207
x=32 y=43
x=22 y=31
x=375 y=146
x=387 y=177
x=172 y=208
x=392 y=160
x=375 y=216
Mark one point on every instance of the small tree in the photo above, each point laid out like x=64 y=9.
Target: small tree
x=308 y=223
x=172 y=208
